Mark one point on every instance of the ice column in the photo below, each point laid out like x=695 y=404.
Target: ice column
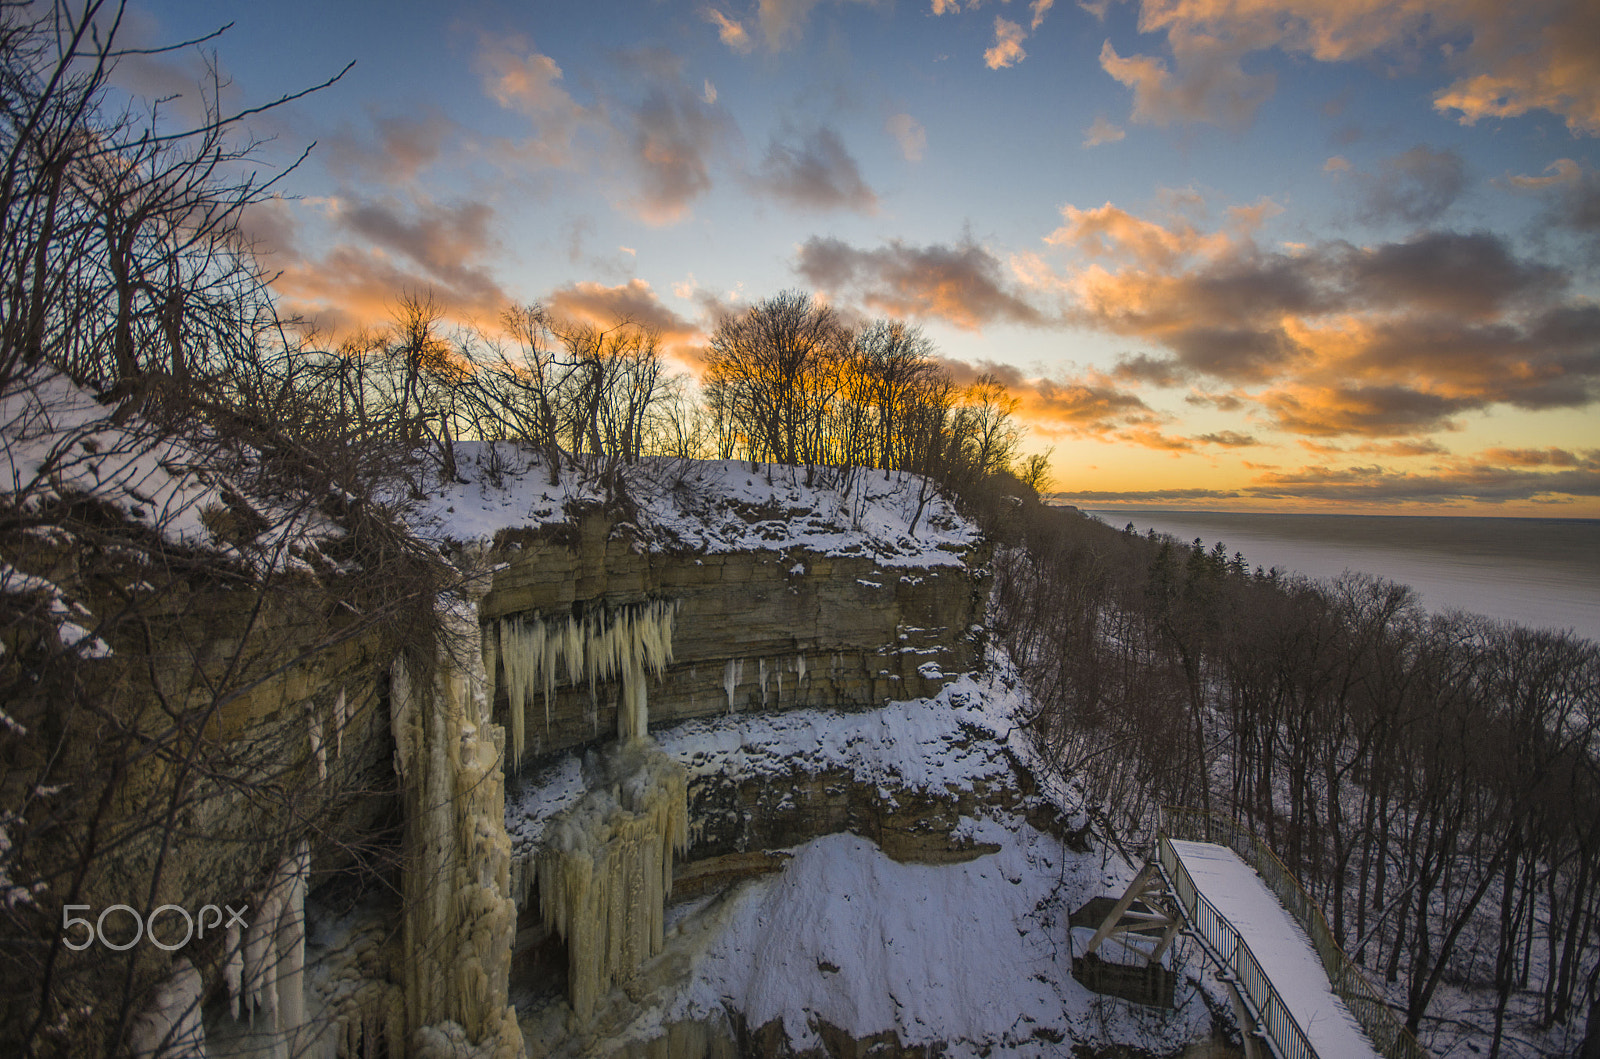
x=459 y=920
x=606 y=869
x=171 y=1028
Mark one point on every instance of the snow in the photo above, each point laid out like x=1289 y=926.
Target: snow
x=710 y=506
x=962 y=953
x=1280 y=946
x=71 y=634
x=953 y=741
x=58 y=443
x=59 y=440
x=972 y=955
x=949 y=741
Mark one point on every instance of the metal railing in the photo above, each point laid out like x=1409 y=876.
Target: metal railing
x=1272 y=1015
x=1365 y=1002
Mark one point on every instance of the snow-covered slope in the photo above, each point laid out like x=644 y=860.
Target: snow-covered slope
x=704 y=506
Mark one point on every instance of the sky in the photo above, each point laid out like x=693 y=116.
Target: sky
x=1290 y=255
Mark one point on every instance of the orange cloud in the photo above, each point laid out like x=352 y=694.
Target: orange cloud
x=1394 y=339
x=521 y=79
x=1087 y=405
x=1007 y=48
x=1546 y=457
x=388 y=248
x=634 y=301
x=1101 y=131
x=730 y=31
x=1538 y=54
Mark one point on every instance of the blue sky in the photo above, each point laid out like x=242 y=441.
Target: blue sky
x=1288 y=254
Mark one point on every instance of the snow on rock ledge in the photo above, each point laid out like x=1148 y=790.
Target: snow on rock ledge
x=706 y=506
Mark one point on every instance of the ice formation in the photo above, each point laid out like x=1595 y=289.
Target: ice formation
x=600 y=645
x=459 y=919
x=732 y=673
x=233 y=967
x=171 y=1028
x=265 y=970
x=606 y=868
x=338 y=724
x=318 y=752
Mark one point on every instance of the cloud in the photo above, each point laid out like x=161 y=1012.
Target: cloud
x=817 y=173
x=523 y=80
x=945 y=7
x=1511 y=59
x=1336 y=164
x=1549 y=62
x=1230 y=439
x=1207 y=85
x=1038 y=9
x=397 y=148
x=1470 y=480
x=636 y=301
x=1151 y=438
x=909 y=134
x=1101 y=131
x=1088 y=405
x=1561 y=171
x=1007 y=48
x=1546 y=457
x=1416 y=187
x=730 y=31
x=1572 y=198
x=389 y=248
x=269 y=227
x=961 y=283
x=782 y=21
x=671 y=138
x=1331 y=339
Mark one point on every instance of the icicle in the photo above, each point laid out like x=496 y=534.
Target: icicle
x=233 y=969
x=172 y=1027
x=607 y=868
x=290 y=940
x=261 y=962
x=732 y=673
x=338 y=724
x=621 y=645
x=763 y=665
x=800 y=667
x=314 y=730
x=402 y=717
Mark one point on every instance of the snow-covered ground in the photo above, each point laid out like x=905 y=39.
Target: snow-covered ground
x=976 y=955
x=704 y=505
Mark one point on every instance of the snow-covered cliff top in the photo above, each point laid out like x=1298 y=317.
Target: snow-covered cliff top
x=705 y=506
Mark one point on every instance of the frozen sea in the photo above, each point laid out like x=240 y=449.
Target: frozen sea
x=1540 y=572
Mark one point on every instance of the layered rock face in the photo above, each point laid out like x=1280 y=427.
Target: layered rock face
x=764 y=630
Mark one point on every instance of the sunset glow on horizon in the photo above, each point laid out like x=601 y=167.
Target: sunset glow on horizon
x=1288 y=255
